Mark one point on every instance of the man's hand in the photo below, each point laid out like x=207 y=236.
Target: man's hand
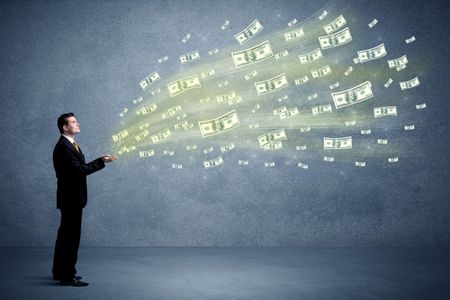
x=107 y=158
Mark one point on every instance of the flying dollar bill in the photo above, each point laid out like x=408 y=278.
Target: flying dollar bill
x=382 y=141
x=360 y=163
x=138 y=100
x=228 y=147
x=321 y=72
x=313 y=96
x=338 y=23
x=301 y=80
x=279 y=110
x=275 y=145
x=124 y=149
x=366 y=131
x=191 y=147
x=252 y=55
x=372 y=53
x=272 y=136
x=243 y=162
x=143 y=126
x=301 y=147
x=302 y=165
x=384 y=111
x=123 y=112
x=177 y=166
x=156 y=92
x=334 y=85
x=250 y=75
x=305 y=129
x=213 y=51
x=168 y=152
x=328 y=158
x=388 y=83
x=281 y=54
x=177 y=87
x=186 y=38
x=342 y=143
x=225 y=25
x=188 y=57
x=230 y=96
x=147 y=109
x=421 y=106
x=147 y=153
x=220 y=124
x=294 y=34
x=336 y=39
x=323 y=15
x=410 y=40
x=292 y=23
x=163 y=59
x=409 y=84
x=208 y=164
x=208 y=73
x=409 y=127
x=317 y=110
x=311 y=56
x=208 y=150
x=373 y=23
x=120 y=136
x=250 y=31
x=170 y=112
x=350 y=123
x=161 y=136
x=357 y=94
x=149 y=80
x=392 y=159
x=271 y=85
x=283 y=98
x=141 y=135
x=398 y=62
x=269 y=164
x=289 y=113
x=348 y=71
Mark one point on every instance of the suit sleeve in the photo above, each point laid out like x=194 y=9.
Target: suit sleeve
x=73 y=164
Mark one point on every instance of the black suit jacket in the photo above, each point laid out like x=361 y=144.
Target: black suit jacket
x=71 y=171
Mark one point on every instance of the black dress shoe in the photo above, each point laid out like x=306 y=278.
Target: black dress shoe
x=56 y=278
x=74 y=282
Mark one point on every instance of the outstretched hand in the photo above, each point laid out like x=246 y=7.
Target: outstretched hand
x=107 y=158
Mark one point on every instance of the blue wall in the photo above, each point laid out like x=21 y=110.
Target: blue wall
x=88 y=56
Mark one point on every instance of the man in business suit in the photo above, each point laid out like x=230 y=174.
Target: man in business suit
x=71 y=171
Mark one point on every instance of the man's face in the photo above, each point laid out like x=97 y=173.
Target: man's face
x=73 y=127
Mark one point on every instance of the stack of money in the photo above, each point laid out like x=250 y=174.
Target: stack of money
x=357 y=94
x=250 y=31
x=252 y=55
x=149 y=80
x=220 y=124
x=336 y=39
x=343 y=143
x=271 y=85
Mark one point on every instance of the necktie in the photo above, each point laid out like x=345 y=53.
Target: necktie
x=76 y=146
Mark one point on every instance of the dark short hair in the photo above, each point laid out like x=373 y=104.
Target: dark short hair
x=62 y=120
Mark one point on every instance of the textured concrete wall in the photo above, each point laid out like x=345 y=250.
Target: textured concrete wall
x=88 y=56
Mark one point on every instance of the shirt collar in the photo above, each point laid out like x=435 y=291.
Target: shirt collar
x=71 y=140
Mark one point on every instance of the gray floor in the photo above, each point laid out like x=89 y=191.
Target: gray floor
x=233 y=273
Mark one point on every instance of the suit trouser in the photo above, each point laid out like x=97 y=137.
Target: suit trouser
x=67 y=244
